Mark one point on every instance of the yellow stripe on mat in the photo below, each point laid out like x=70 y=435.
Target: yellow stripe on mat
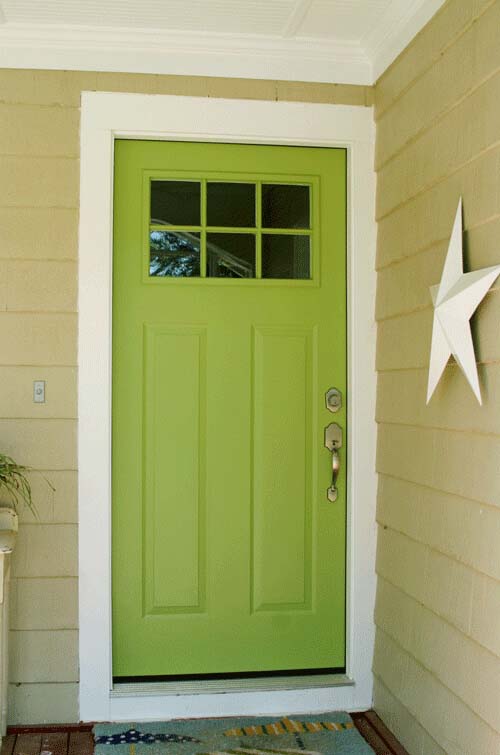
x=313 y=726
x=292 y=726
x=274 y=729
x=287 y=726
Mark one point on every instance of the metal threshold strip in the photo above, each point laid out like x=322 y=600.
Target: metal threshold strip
x=220 y=686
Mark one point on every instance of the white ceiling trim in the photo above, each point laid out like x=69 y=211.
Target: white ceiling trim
x=146 y=51
x=395 y=31
x=286 y=57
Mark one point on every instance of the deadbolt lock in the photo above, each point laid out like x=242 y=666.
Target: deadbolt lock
x=333 y=398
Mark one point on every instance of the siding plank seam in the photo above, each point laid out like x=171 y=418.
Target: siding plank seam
x=379 y=115
x=434 y=676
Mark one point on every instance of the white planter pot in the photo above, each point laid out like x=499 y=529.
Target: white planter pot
x=8 y=529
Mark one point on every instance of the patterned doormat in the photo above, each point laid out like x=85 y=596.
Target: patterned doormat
x=323 y=734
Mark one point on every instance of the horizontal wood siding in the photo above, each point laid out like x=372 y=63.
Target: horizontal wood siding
x=437 y=657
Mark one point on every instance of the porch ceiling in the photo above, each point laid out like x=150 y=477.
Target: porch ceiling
x=343 y=41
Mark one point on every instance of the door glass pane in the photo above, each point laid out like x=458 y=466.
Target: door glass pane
x=175 y=202
x=174 y=254
x=231 y=204
x=285 y=256
x=230 y=255
x=285 y=206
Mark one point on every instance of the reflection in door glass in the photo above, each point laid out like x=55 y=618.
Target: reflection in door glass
x=175 y=202
x=174 y=254
x=230 y=255
x=285 y=256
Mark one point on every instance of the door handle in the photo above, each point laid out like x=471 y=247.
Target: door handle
x=333 y=441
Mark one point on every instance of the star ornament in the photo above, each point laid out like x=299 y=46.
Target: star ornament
x=455 y=300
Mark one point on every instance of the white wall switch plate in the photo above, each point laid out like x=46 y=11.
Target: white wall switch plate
x=39 y=391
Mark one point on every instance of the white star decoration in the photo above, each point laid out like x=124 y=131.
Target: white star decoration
x=455 y=299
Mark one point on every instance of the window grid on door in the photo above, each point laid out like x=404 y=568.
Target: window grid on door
x=200 y=250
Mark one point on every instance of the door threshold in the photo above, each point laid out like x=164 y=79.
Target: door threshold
x=221 y=686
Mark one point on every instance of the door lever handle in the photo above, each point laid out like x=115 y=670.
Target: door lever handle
x=333 y=441
x=332 y=492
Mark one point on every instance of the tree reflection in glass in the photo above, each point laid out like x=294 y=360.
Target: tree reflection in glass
x=174 y=254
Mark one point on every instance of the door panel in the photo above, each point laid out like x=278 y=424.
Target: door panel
x=283 y=365
x=174 y=368
x=228 y=328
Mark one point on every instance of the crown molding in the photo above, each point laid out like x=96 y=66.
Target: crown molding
x=396 y=29
x=147 y=51
x=286 y=57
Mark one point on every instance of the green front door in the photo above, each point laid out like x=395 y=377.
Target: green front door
x=229 y=326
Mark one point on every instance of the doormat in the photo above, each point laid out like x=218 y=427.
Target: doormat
x=321 y=734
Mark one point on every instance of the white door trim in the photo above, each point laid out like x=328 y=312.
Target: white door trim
x=104 y=117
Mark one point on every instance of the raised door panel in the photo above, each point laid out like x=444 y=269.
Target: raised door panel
x=284 y=360
x=173 y=468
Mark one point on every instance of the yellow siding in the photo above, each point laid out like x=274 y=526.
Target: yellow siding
x=39 y=150
x=437 y=656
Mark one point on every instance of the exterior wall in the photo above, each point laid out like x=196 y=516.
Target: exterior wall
x=39 y=150
x=437 y=658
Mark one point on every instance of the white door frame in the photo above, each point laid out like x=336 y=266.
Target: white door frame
x=104 y=117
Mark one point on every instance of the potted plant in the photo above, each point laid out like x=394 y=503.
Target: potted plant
x=15 y=489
